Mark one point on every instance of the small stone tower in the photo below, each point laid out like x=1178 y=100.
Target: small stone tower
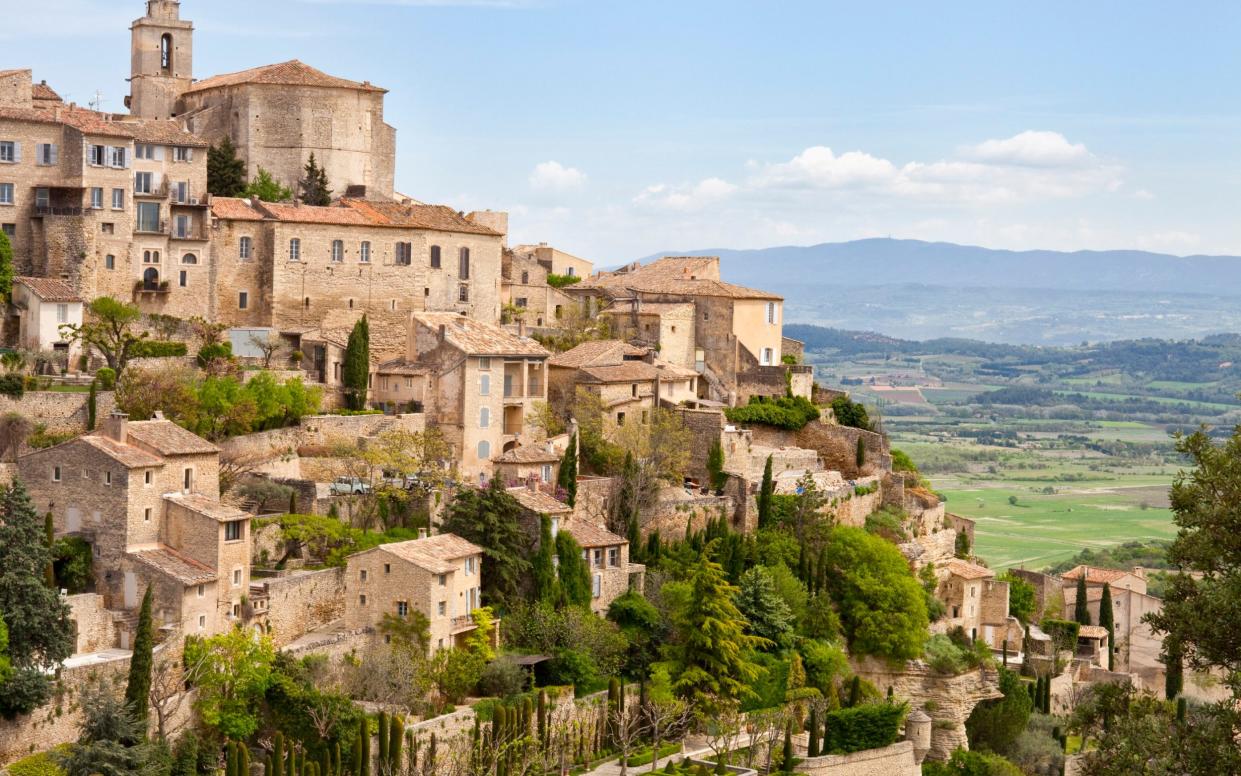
x=162 y=60
x=918 y=730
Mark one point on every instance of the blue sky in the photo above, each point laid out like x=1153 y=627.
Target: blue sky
x=617 y=129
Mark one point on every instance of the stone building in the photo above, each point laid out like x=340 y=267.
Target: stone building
x=628 y=380
x=1137 y=646
x=524 y=288
x=42 y=307
x=145 y=496
x=538 y=463
x=439 y=575
x=976 y=602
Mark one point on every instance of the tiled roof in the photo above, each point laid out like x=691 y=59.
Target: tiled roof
x=626 y=372
x=539 y=502
x=403 y=366
x=129 y=456
x=310 y=214
x=233 y=209
x=180 y=567
x=669 y=370
x=440 y=218
x=588 y=535
x=1092 y=632
x=1096 y=575
x=692 y=276
x=164 y=132
x=50 y=289
x=478 y=338
x=966 y=570
x=291 y=73
x=168 y=438
x=41 y=91
x=596 y=352
x=200 y=504
x=433 y=553
x=527 y=454
x=87 y=121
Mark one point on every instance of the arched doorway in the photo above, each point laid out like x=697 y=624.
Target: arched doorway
x=150 y=279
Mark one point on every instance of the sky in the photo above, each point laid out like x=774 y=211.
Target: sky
x=615 y=129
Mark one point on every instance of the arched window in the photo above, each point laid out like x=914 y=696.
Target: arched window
x=484 y=450
x=484 y=417
x=150 y=279
x=189 y=258
x=165 y=51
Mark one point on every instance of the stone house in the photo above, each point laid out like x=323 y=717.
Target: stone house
x=1137 y=646
x=976 y=602
x=439 y=576
x=43 y=306
x=145 y=496
x=555 y=261
x=628 y=380
x=523 y=284
x=538 y=463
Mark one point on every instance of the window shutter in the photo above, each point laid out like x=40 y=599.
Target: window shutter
x=39 y=152
x=158 y=153
x=17 y=151
x=55 y=159
x=189 y=154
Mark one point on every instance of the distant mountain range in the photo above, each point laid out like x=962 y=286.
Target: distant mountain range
x=882 y=261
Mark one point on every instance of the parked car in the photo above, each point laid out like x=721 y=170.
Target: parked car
x=349 y=486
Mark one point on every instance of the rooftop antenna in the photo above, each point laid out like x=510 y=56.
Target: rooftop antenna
x=97 y=103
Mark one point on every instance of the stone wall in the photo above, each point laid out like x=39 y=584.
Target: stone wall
x=852 y=510
x=895 y=760
x=705 y=427
x=951 y=698
x=300 y=602
x=835 y=444
x=94 y=625
x=60 y=412
x=676 y=508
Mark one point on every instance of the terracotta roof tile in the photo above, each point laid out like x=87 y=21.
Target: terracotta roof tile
x=309 y=214
x=1092 y=631
x=588 y=535
x=50 y=289
x=200 y=504
x=180 y=567
x=433 y=553
x=539 y=502
x=671 y=371
x=479 y=338
x=403 y=366
x=527 y=454
x=291 y=73
x=626 y=372
x=168 y=438
x=86 y=121
x=129 y=456
x=235 y=209
x=691 y=276
x=41 y=91
x=1096 y=575
x=164 y=132
x=440 y=218
x=967 y=570
x=596 y=353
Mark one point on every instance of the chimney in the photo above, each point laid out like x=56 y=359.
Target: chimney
x=443 y=331
x=422 y=533
x=159 y=415
x=115 y=426
x=521 y=327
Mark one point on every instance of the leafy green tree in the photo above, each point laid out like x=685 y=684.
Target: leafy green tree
x=881 y=605
x=1107 y=619
x=111 y=329
x=997 y=724
x=546 y=585
x=314 y=185
x=1081 y=609
x=643 y=627
x=574 y=572
x=1021 y=598
x=7 y=272
x=765 y=492
x=231 y=672
x=6 y=665
x=138 y=689
x=768 y=615
x=715 y=466
x=39 y=628
x=266 y=188
x=110 y=741
x=567 y=477
x=488 y=517
x=226 y=174
x=356 y=372
x=961 y=547
x=711 y=658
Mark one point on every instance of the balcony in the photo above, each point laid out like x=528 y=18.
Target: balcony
x=156 y=192
x=50 y=210
x=463 y=623
x=148 y=287
x=189 y=200
x=194 y=232
x=160 y=228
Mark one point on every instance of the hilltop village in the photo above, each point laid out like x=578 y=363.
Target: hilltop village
x=324 y=478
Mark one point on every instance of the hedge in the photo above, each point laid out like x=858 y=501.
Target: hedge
x=869 y=726
x=644 y=757
x=12 y=385
x=1063 y=632
x=786 y=412
x=148 y=348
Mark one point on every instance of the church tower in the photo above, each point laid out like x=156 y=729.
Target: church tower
x=162 y=54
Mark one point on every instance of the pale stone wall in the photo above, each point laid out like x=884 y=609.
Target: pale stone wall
x=895 y=760
x=60 y=412
x=303 y=601
x=835 y=444
x=93 y=624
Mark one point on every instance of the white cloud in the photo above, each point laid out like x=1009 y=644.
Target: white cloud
x=1143 y=194
x=688 y=197
x=818 y=166
x=554 y=176
x=1033 y=148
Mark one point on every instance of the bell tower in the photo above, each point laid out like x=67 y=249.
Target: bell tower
x=162 y=60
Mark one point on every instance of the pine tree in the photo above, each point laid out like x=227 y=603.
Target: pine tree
x=92 y=400
x=546 y=585
x=765 y=493
x=1107 y=619
x=138 y=690
x=567 y=478
x=314 y=186
x=357 y=366
x=226 y=174
x=1081 y=611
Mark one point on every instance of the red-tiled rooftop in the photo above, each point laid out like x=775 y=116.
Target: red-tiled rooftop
x=1096 y=575
x=291 y=73
x=967 y=570
x=50 y=289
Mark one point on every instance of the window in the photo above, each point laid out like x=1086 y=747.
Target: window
x=771 y=312
x=55 y=474
x=236 y=577
x=484 y=385
x=525 y=278
x=442 y=608
x=148 y=217
x=46 y=154
x=484 y=417
x=234 y=530
x=165 y=51
x=243 y=300
x=243 y=248
x=338 y=250
x=144 y=151
x=463 y=293
x=42 y=197
x=187 y=479
x=202 y=589
x=146 y=515
x=620 y=418
x=107 y=478
x=463 y=264
x=8 y=152
x=97 y=155
x=109 y=261
x=146 y=477
x=443 y=580
x=387 y=568
x=118 y=199
x=596 y=587
x=107 y=227
x=633 y=389
x=183 y=154
x=435 y=257
x=182 y=227
x=613 y=557
x=62 y=313
x=484 y=450
x=9 y=229
x=181 y=192
x=117 y=158
x=362 y=575
x=523 y=301
x=404 y=253
x=295 y=249
x=202 y=621
x=189 y=258
x=6 y=193
x=96 y=198
x=546 y=474
x=362 y=599
x=402 y=609
x=768 y=356
x=143 y=182
x=484 y=363
x=598 y=559
x=469 y=566
x=364 y=252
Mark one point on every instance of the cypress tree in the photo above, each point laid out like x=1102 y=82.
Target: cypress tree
x=293 y=503
x=357 y=366
x=230 y=759
x=715 y=466
x=138 y=689
x=430 y=761
x=855 y=690
x=1180 y=710
x=860 y=456
x=1174 y=668
x=633 y=533
x=366 y=747
x=543 y=571
x=765 y=493
x=49 y=541
x=812 y=746
x=820 y=582
x=91 y=402
x=277 y=753
x=1004 y=653
x=567 y=478
x=267 y=766
x=243 y=759
x=325 y=762
x=357 y=750
x=383 y=743
x=336 y=759
x=542 y=716
x=787 y=764
x=314 y=185
x=1107 y=620
x=1081 y=612
x=396 y=727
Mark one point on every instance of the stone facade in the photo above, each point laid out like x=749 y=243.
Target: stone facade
x=300 y=602
x=895 y=760
x=60 y=412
